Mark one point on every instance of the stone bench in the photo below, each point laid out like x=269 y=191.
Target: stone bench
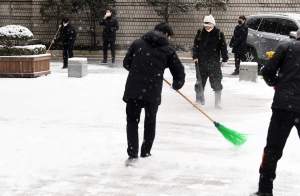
x=77 y=67
x=248 y=71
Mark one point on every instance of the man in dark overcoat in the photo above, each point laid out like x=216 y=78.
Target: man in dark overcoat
x=282 y=71
x=111 y=26
x=238 y=43
x=146 y=60
x=67 y=37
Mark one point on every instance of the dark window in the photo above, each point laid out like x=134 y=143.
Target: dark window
x=253 y=23
x=286 y=26
x=269 y=25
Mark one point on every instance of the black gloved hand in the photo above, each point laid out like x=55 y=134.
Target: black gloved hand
x=271 y=81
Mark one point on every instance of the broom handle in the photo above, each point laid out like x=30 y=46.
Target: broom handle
x=53 y=38
x=191 y=102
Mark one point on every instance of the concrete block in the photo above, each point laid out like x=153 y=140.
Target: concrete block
x=248 y=71
x=77 y=67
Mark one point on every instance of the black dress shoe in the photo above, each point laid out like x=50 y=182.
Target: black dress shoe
x=104 y=62
x=64 y=67
x=145 y=155
x=235 y=73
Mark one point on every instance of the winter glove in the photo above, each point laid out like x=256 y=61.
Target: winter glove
x=223 y=64
x=271 y=81
x=112 y=29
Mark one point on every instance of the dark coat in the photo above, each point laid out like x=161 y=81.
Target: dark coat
x=286 y=59
x=208 y=46
x=111 y=25
x=67 y=35
x=238 y=42
x=146 y=60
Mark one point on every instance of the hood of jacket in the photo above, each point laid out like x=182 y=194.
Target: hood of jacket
x=156 y=38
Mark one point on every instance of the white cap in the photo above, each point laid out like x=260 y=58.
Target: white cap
x=209 y=21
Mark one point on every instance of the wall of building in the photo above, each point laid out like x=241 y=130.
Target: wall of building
x=135 y=18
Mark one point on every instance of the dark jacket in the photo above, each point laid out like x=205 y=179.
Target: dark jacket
x=238 y=42
x=110 y=27
x=67 y=35
x=146 y=60
x=208 y=45
x=286 y=59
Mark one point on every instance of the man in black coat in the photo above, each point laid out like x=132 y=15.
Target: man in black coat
x=238 y=43
x=146 y=60
x=209 y=42
x=67 y=37
x=111 y=25
x=285 y=108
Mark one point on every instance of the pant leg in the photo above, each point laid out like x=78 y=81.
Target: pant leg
x=149 y=127
x=105 y=48
x=113 y=50
x=133 y=112
x=297 y=123
x=281 y=123
x=70 y=50
x=243 y=57
x=237 y=61
x=215 y=78
x=203 y=74
x=65 y=55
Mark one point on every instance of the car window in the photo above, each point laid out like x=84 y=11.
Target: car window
x=253 y=23
x=269 y=25
x=286 y=26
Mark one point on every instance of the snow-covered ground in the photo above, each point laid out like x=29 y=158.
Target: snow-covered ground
x=66 y=136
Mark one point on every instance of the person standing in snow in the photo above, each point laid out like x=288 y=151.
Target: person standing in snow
x=238 y=43
x=209 y=42
x=285 y=109
x=111 y=26
x=67 y=37
x=146 y=60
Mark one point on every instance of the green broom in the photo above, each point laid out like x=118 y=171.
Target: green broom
x=236 y=138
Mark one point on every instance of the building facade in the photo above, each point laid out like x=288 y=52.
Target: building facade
x=136 y=17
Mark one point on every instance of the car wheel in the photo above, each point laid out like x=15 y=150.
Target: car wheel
x=251 y=55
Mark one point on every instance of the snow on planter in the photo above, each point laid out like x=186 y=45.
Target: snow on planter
x=14 y=35
x=18 y=60
x=12 y=41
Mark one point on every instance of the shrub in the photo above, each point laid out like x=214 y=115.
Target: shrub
x=14 y=35
x=22 y=50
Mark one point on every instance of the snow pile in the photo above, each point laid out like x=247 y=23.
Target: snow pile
x=15 y=32
x=29 y=47
x=12 y=41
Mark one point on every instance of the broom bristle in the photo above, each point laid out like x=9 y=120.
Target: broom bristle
x=232 y=136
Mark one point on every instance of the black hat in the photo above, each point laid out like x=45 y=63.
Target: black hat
x=242 y=17
x=65 y=19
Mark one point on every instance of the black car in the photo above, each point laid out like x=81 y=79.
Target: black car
x=267 y=31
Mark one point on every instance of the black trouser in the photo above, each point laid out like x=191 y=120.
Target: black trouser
x=214 y=73
x=133 y=111
x=112 y=48
x=67 y=53
x=281 y=123
x=237 y=59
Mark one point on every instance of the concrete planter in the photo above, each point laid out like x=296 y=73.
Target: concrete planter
x=25 y=66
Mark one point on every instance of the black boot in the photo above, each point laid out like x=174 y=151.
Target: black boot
x=258 y=193
x=104 y=61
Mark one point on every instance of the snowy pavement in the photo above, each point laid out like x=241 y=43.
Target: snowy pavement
x=66 y=136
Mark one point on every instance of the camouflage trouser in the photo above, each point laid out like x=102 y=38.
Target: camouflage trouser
x=214 y=73
x=199 y=87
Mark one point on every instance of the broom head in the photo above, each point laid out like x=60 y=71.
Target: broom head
x=234 y=137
